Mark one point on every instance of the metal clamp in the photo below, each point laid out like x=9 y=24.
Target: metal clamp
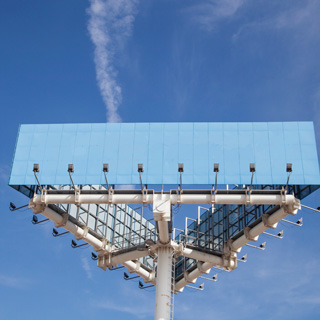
x=65 y=217
x=110 y=194
x=283 y=194
x=77 y=194
x=85 y=233
x=43 y=195
x=248 y=196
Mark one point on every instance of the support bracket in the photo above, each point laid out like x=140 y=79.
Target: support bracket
x=265 y=220
x=246 y=231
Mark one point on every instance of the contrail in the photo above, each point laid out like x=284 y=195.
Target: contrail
x=110 y=24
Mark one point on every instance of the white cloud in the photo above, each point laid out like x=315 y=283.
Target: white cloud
x=208 y=13
x=13 y=282
x=110 y=24
x=86 y=267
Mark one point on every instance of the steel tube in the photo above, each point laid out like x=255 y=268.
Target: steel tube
x=200 y=199
x=163 y=286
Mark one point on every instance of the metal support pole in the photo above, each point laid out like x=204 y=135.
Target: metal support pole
x=163 y=284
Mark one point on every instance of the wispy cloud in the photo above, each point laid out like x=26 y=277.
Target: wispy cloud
x=141 y=312
x=138 y=303
x=86 y=267
x=208 y=13
x=13 y=282
x=4 y=173
x=110 y=24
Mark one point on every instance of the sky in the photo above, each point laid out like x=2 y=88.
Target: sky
x=81 y=61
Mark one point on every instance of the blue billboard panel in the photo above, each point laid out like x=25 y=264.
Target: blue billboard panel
x=160 y=147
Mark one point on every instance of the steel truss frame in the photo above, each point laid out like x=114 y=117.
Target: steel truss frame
x=239 y=216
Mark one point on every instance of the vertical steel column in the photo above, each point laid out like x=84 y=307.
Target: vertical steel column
x=163 y=284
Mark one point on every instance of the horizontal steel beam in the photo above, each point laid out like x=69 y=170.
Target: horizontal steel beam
x=188 y=198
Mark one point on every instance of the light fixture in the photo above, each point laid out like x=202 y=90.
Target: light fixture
x=252 y=167
x=300 y=221
x=201 y=287
x=94 y=256
x=12 y=206
x=216 y=170
x=180 y=170
x=243 y=258
x=280 y=234
x=55 y=233
x=126 y=276
x=289 y=170
x=141 y=285
x=70 y=168
x=215 y=277
x=105 y=169
x=263 y=245
x=75 y=245
x=35 y=220
x=35 y=171
x=140 y=170
x=252 y=170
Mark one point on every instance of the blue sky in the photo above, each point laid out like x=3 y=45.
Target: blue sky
x=146 y=61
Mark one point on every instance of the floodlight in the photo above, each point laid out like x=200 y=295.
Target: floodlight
x=244 y=257
x=75 y=245
x=289 y=167
x=105 y=167
x=263 y=245
x=35 y=219
x=12 y=206
x=126 y=276
x=252 y=167
x=70 y=167
x=201 y=286
x=141 y=284
x=216 y=167
x=299 y=221
x=35 y=170
x=140 y=167
x=180 y=167
x=94 y=256
x=215 y=277
x=55 y=232
x=280 y=234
